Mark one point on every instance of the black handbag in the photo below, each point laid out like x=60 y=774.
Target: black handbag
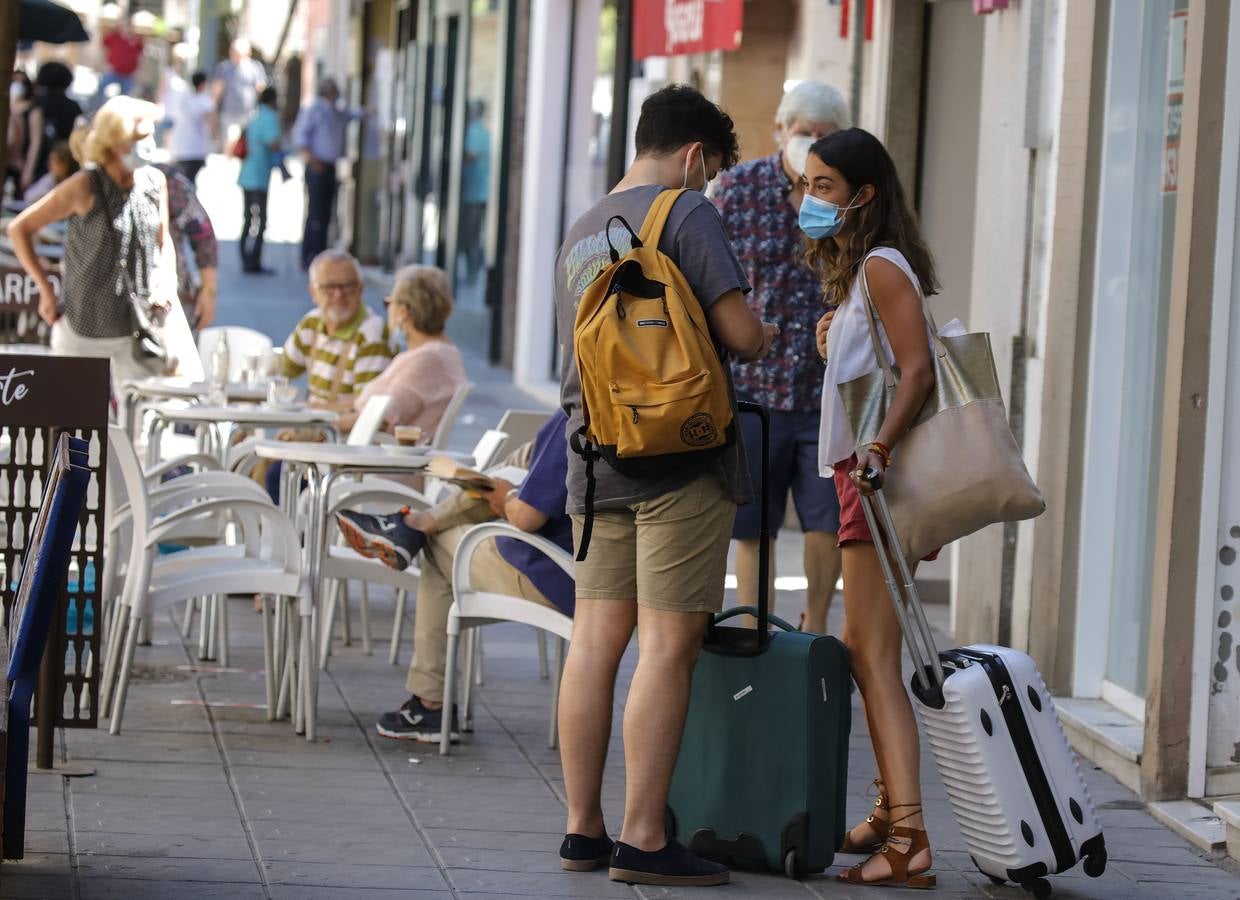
x=146 y=318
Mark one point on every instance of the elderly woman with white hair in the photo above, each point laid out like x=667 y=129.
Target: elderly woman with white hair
x=117 y=214
x=760 y=202
x=422 y=379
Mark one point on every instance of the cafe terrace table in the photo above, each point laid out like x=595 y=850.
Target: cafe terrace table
x=322 y=465
x=243 y=416
x=172 y=388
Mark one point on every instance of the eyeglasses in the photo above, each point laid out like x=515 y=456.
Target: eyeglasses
x=340 y=287
x=387 y=301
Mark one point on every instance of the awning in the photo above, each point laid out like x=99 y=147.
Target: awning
x=679 y=27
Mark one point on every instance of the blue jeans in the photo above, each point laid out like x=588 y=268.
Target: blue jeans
x=111 y=78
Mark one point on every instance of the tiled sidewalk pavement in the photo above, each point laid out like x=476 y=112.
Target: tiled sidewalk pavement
x=195 y=802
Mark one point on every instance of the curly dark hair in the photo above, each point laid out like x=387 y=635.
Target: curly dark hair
x=885 y=221
x=677 y=115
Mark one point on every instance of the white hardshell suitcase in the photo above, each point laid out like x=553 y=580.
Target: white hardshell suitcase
x=1013 y=782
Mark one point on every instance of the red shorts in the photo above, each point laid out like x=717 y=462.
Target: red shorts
x=853 y=526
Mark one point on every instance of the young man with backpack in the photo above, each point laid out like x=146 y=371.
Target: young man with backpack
x=661 y=469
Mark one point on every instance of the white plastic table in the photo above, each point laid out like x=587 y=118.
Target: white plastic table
x=172 y=388
x=251 y=416
x=322 y=465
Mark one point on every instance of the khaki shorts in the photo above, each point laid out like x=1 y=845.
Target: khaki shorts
x=669 y=553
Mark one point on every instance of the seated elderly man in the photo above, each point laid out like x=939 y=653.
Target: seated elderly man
x=340 y=344
x=504 y=566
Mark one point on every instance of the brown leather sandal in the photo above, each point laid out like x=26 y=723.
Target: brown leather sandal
x=879 y=826
x=902 y=845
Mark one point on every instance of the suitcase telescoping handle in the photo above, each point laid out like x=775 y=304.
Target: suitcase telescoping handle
x=904 y=595
x=764 y=524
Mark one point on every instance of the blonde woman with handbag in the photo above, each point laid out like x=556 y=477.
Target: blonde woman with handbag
x=862 y=230
x=119 y=276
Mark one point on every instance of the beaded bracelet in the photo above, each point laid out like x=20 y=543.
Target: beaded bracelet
x=882 y=450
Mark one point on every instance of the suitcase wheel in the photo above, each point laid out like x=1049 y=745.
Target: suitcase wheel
x=1039 y=887
x=1095 y=864
x=790 y=865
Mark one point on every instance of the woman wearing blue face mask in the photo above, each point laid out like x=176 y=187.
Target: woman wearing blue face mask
x=856 y=216
x=117 y=214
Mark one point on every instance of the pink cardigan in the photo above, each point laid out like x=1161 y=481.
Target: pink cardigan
x=420 y=382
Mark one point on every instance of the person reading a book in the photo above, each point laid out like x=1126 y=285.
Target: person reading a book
x=503 y=566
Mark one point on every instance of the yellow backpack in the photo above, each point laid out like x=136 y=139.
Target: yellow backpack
x=654 y=395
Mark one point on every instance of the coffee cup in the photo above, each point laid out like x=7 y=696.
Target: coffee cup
x=408 y=435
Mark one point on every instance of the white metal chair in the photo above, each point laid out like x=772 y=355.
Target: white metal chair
x=472 y=609
x=242 y=342
x=450 y=414
x=265 y=559
x=344 y=564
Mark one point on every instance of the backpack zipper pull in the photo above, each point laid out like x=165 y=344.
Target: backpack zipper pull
x=619 y=305
x=634 y=408
x=666 y=311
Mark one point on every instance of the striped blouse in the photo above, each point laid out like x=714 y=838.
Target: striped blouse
x=364 y=343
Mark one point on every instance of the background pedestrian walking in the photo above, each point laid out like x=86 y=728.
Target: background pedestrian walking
x=262 y=137
x=319 y=135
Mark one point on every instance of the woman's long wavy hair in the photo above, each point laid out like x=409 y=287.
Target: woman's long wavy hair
x=885 y=221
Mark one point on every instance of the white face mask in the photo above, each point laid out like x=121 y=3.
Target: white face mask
x=705 y=180
x=796 y=152
x=15 y=92
x=140 y=154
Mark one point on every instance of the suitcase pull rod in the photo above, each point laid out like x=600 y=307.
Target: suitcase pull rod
x=905 y=600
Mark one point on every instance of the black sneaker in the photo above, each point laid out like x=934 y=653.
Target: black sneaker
x=579 y=853
x=414 y=722
x=674 y=865
x=385 y=538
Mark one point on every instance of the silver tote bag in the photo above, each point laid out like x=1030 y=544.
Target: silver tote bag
x=958 y=468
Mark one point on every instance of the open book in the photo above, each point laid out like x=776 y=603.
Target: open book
x=470 y=479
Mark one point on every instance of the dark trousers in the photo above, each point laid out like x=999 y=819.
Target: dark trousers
x=320 y=206
x=190 y=168
x=473 y=226
x=253 y=226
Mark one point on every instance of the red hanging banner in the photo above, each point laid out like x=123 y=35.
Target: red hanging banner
x=679 y=27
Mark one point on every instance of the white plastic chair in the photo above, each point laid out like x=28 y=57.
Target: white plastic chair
x=203 y=528
x=472 y=609
x=241 y=343
x=521 y=426
x=266 y=559
x=447 y=422
x=343 y=564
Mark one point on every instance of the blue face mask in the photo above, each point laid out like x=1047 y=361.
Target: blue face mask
x=822 y=218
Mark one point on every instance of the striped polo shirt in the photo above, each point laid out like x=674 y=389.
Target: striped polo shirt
x=364 y=343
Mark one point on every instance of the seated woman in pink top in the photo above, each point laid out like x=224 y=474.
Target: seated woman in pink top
x=422 y=379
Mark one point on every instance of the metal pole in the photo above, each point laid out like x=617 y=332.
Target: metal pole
x=858 y=51
x=623 y=73
x=48 y=695
x=10 y=15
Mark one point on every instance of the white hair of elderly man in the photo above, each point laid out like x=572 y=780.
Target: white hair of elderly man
x=813 y=102
x=334 y=255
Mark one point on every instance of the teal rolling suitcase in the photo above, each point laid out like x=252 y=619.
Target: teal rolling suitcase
x=763 y=766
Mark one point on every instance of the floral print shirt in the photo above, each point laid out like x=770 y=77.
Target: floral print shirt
x=191 y=233
x=753 y=200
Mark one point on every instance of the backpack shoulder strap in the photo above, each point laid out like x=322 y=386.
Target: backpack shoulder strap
x=656 y=218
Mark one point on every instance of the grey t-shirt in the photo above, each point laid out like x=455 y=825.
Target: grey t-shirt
x=695 y=240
